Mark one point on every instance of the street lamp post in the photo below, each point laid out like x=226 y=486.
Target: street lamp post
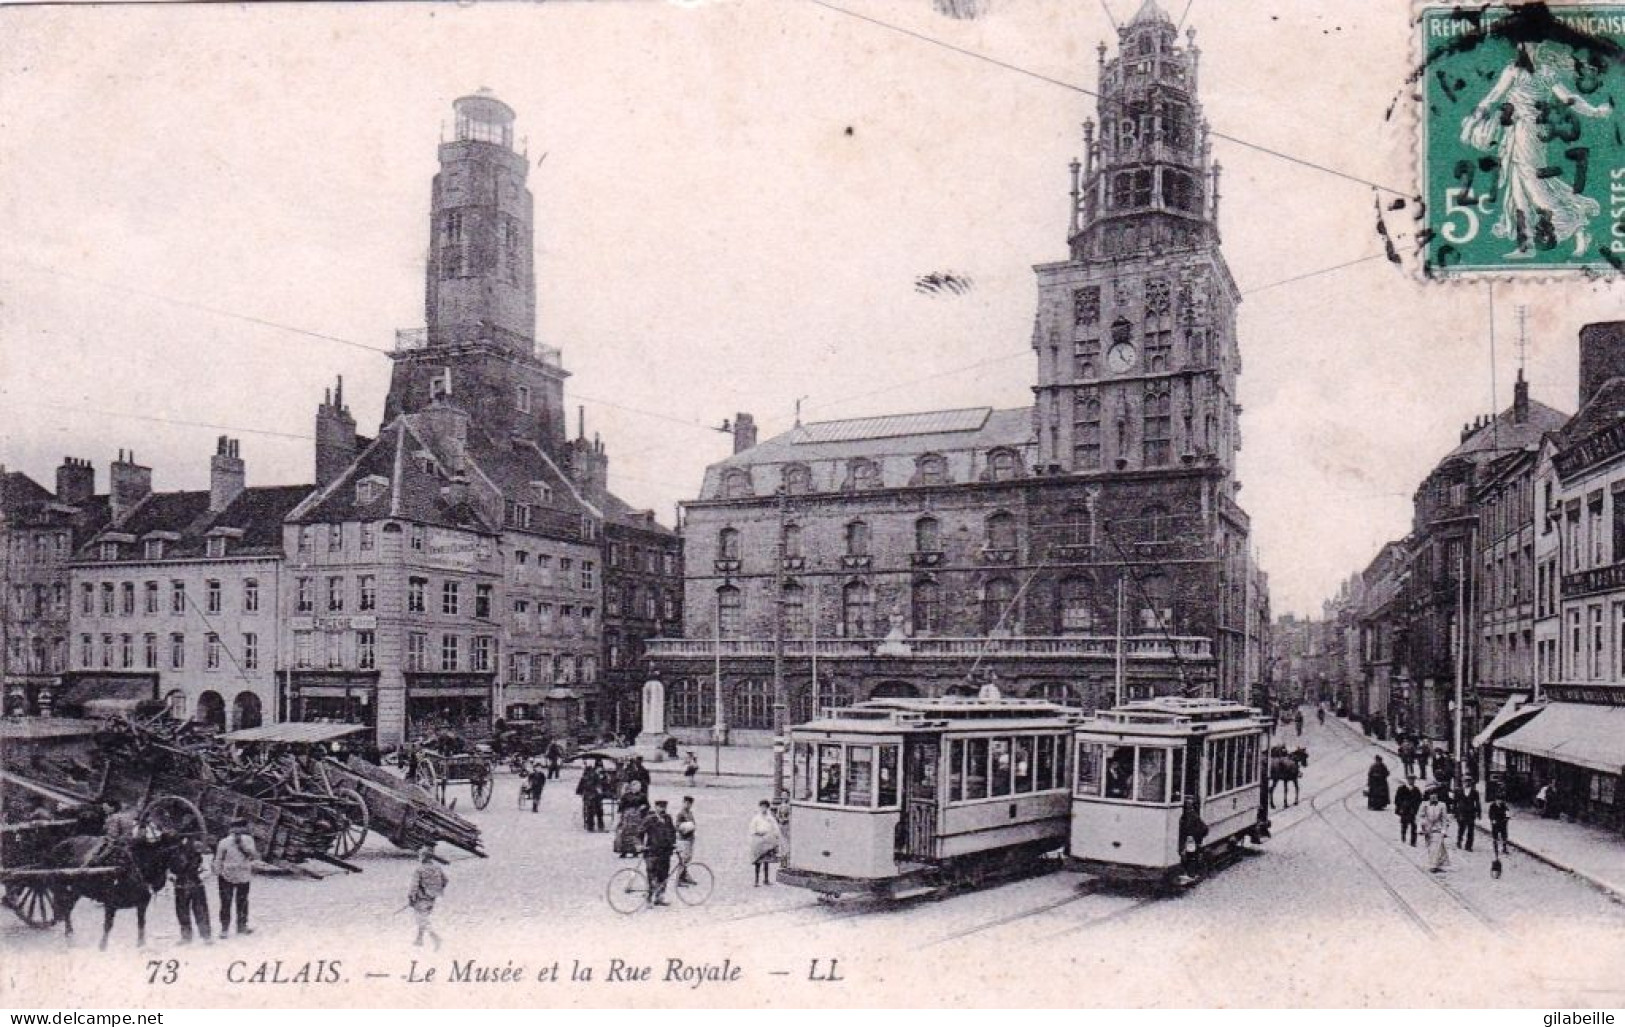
x=779 y=704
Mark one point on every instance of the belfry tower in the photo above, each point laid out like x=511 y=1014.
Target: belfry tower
x=1135 y=333
x=478 y=350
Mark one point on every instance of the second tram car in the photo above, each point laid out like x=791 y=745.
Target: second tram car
x=898 y=797
x=1139 y=764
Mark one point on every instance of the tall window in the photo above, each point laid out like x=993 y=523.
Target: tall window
x=728 y=544
x=335 y=537
x=367 y=601
x=927 y=608
x=450 y=652
x=1003 y=465
x=366 y=650
x=415 y=595
x=792 y=541
x=857 y=539
x=730 y=608
x=107 y=599
x=1152 y=591
x=1154 y=524
x=927 y=535
x=1077 y=527
x=795 y=611
x=753 y=704
x=450 y=598
x=480 y=656
x=1077 y=613
x=87 y=651
x=149 y=650
x=857 y=610
x=1001 y=531
x=177 y=651
x=211 y=651
x=1086 y=433
x=126 y=650
x=251 y=595
x=87 y=598
x=335 y=595
x=998 y=598
x=368 y=536
x=1158 y=441
x=417 y=650
x=482 y=602
x=304 y=596
x=177 y=597
x=126 y=599
x=251 y=651
x=797 y=479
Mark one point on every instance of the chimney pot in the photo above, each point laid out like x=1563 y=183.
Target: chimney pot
x=744 y=429
x=227 y=476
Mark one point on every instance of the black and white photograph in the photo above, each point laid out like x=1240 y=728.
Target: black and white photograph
x=812 y=504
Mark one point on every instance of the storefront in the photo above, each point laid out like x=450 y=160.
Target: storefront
x=1577 y=749
x=460 y=703
x=87 y=694
x=347 y=697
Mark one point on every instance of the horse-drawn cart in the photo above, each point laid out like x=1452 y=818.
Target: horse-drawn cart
x=433 y=771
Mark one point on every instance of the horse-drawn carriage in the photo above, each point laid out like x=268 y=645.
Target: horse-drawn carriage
x=433 y=767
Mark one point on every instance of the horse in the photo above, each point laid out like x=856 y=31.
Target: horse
x=1285 y=769
x=142 y=867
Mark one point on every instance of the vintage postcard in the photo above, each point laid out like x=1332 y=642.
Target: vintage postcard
x=952 y=503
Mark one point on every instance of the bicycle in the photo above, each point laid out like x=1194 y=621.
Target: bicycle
x=628 y=890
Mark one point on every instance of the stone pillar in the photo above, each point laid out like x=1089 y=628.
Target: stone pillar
x=653 y=734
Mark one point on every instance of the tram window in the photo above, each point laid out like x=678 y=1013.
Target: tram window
x=888 y=776
x=1024 y=764
x=1235 y=763
x=999 y=773
x=1120 y=772
x=1252 y=760
x=1046 y=762
x=860 y=775
x=956 y=770
x=1151 y=781
x=829 y=774
x=976 y=768
x=1088 y=768
x=801 y=771
x=921 y=768
x=1061 y=747
x=1176 y=776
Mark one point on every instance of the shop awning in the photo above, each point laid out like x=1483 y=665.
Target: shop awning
x=1516 y=710
x=127 y=688
x=294 y=731
x=1584 y=736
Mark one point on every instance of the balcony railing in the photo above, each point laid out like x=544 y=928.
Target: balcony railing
x=1100 y=647
x=408 y=340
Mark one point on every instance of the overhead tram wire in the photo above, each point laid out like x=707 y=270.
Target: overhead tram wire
x=1018 y=69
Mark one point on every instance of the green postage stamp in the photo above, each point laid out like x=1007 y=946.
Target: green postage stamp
x=1523 y=138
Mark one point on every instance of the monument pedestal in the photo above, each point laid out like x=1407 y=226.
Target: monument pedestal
x=654 y=736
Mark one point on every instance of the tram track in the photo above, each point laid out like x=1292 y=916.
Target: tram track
x=1404 y=905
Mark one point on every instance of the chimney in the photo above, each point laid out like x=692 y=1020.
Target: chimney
x=455 y=492
x=75 y=481
x=744 y=432
x=1602 y=356
x=128 y=483
x=1520 y=400
x=226 y=475
x=335 y=436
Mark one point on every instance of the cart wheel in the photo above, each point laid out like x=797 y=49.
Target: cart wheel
x=176 y=814
x=628 y=890
x=480 y=787
x=351 y=805
x=697 y=888
x=426 y=779
x=34 y=903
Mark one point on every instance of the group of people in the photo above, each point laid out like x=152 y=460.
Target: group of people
x=1430 y=811
x=232 y=864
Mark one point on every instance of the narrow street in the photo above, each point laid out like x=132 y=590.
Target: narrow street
x=1334 y=910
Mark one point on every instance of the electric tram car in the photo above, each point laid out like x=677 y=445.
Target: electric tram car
x=1138 y=766
x=899 y=797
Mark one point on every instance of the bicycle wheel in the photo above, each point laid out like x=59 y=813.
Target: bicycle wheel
x=697 y=888
x=628 y=890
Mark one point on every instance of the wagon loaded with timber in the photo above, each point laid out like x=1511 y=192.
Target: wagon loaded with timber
x=369 y=798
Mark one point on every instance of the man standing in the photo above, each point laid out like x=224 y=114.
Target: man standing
x=691 y=769
x=555 y=756
x=1192 y=832
x=427 y=885
x=191 y=900
x=234 y=869
x=1467 y=810
x=1407 y=756
x=1498 y=825
x=1407 y=803
x=659 y=839
x=592 y=805
x=687 y=828
x=536 y=781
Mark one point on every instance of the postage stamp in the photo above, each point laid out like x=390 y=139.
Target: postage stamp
x=1522 y=150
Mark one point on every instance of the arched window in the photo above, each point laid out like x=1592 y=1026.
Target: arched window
x=864 y=474
x=1158 y=438
x=735 y=483
x=857 y=610
x=752 y=704
x=728 y=544
x=211 y=710
x=730 y=611
x=1086 y=433
x=245 y=711
x=691 y=703
x=797 y=479
x=1001 y=531
x=1155 y=524
x=998 y=598
x=1003 y=465
x=795 y=610
x=927 y=535
x=927 y=607
x=932 y=469
x=792 y=541
x=857 y=539
x=1076 y=603
x=1152 y=592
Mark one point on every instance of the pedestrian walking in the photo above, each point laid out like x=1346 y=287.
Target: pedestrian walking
x=659 y=837
x=691 y=769
x=765 y=839
x=1407 y=756
x=428 y=883
x=1432 y=820
x=1297 y=720
x=634 y=805
x=555 y=758
x=1192 y=832
x=191 y=898
x=234 y=861
x=1467 y=810
x=1499 y=815
x=536 y=781
x=592 y=800
x=1407 y=804
x=1376 y=785
x=687 y=831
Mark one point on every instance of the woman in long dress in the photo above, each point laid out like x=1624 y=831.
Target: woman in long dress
x=1530 y=91
x=1376 y=785
x=1432 y=824
x=629 y=829
x=765 y=839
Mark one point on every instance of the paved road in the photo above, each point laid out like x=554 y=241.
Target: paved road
x=1333 y=911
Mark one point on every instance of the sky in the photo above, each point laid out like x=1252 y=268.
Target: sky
x=214 y=210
